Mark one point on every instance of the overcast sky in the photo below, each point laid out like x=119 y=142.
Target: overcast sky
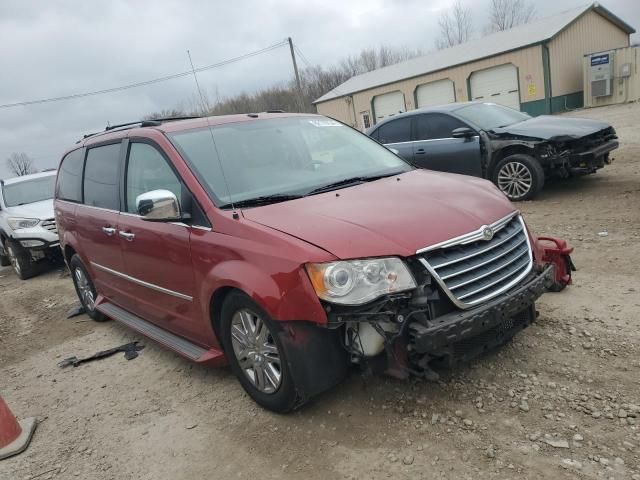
x=57 y=48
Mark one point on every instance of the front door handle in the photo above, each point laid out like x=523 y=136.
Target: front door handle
x=127 y=236
x=108 y=231
x=420 y=151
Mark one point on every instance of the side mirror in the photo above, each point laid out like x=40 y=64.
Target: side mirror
x=462 y=132
x=397 y=152
x=158 y=206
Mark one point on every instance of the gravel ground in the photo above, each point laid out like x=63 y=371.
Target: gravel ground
x=561 y=401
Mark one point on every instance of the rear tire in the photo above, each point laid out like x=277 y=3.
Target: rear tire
x=20 y=260
x=256 y=355
x=519 y=177
x=85 y=289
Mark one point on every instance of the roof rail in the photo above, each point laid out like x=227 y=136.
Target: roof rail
x=275 y=111
x=153 y=122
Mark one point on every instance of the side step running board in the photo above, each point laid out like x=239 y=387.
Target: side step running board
x=181 y=345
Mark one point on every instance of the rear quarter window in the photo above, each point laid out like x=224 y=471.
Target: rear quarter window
x=101 y=177
x=70 y=177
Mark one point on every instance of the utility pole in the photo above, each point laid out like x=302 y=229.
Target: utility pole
x=295 y=70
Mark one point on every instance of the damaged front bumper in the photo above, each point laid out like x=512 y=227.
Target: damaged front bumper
x=461 y=335
x=589 y=161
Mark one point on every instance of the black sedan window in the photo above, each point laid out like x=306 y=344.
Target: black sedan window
x=436 y=125
x=395 y=131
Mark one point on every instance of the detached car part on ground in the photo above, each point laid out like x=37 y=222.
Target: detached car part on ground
x=513 y=150
x=291 y=247
x=28 y=232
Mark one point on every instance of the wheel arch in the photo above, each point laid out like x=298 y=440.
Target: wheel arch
x=508 y=151
x=291 y=298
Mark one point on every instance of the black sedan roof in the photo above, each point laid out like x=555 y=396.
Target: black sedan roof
x=447 y=108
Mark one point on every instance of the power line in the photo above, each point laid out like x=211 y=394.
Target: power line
x=146 y=82
x=310 y=66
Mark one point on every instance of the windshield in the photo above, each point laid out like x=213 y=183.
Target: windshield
x=489 y=115
x=29 y=191
x=285 y=156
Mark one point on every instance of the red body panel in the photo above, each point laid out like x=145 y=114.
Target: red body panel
x=392 y=216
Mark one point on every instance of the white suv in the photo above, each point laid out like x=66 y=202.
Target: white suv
x=28 y=230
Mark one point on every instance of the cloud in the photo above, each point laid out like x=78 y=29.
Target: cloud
x=65 y=47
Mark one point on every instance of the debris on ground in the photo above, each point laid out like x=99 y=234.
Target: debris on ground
x=76 y=311
x=130 y=352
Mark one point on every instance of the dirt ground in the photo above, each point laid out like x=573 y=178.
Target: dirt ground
x=562 y=401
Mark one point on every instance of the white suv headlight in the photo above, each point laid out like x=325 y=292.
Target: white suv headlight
x=18 y=223
x=355 y=282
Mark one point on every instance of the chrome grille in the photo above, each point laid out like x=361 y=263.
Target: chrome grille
x=471 y=269
x=50 y=225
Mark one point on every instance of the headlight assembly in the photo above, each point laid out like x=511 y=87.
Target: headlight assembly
x=18 y=223
x=355 y=282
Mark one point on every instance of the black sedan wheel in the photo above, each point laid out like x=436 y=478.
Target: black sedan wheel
x=519 y=177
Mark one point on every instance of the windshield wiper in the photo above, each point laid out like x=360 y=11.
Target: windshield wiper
x=347 y=182
x=264 y=200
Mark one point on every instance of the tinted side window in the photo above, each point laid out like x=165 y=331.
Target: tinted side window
x=395 y=131
x=436 y=125
x=147 y=170
x=70 y=177
x=101 y=177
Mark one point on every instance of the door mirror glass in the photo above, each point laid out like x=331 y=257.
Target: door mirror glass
x=462 y=132
x=158 y=206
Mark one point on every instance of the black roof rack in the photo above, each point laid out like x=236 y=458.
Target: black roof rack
x=153 y=122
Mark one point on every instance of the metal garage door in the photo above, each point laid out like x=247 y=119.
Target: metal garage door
x=435 y=93
x=497 y=85
x=388 y=104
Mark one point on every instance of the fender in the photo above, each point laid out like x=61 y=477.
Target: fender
x=295 y=301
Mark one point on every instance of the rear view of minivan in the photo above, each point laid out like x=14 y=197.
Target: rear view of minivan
x=291 y=247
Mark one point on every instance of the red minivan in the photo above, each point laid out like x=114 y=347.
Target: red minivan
x=291 y=246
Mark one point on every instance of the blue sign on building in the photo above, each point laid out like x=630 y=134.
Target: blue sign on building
x=600 y=59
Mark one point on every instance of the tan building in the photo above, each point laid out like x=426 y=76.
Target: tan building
x=536 y=68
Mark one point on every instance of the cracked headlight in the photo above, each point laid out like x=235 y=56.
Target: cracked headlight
x=18 y=223
x=354 y=282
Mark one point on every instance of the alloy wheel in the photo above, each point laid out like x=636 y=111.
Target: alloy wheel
x=256 y=351
x=515 y=180
x=13 y=258
x=85 y=289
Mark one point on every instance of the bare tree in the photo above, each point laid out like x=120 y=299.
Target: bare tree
x=506 y=14
x=456 y=26
x=20 y=164
x=315 y=80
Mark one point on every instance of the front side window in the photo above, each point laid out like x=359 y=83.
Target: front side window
x=29 y=191
x=395 y=131
x=285 y=156
x=70 y=176
x=435 y=126
x=101 y=187
x=147 y=170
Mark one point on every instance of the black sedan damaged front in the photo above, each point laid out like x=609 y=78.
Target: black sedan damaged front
x=563 y=146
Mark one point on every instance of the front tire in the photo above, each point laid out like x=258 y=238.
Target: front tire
x=519 y=177
x=85 y=289
x=256 y=355
x=20 y=260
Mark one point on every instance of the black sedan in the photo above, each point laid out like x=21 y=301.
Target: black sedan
x=510 y=148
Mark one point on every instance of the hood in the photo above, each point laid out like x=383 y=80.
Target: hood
x=42 y=210
x=392 y=216
x=549 y=127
